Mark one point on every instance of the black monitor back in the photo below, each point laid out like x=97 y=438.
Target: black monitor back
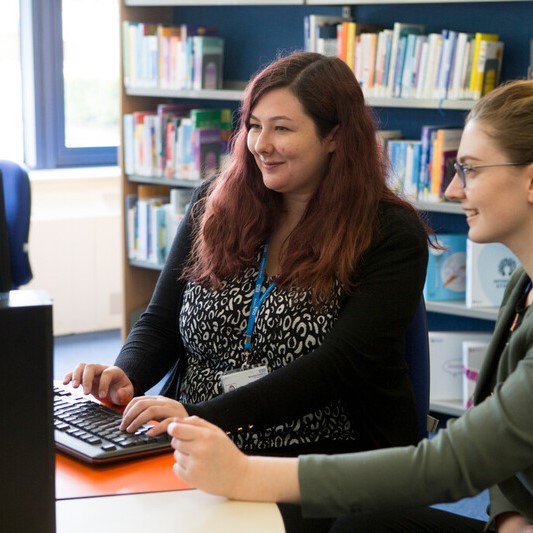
x=27 y=487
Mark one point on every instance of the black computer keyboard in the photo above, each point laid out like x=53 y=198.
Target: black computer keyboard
x=90 y=431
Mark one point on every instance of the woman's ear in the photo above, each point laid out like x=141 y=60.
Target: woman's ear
x=332 y=138
x=530 y=183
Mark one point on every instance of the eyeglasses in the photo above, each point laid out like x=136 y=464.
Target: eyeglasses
x=463 y=170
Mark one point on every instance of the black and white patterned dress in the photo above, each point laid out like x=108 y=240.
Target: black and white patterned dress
x=213 y=325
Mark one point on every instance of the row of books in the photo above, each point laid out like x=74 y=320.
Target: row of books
x=176 y=141
x=152 y=219
x=455 y=361
x=181 y=57
x=404 y=62
x=422 y=168
x=475 y=274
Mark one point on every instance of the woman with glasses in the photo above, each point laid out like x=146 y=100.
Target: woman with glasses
x=491 y=445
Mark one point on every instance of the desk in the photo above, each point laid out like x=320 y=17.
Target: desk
x=143 y=495
x=184 y=511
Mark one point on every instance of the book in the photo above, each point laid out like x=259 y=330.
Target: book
x=458 y=77
x=127 y=143
x=475 y=76
x=166 y=36
x=326 y=40
x=157 y=230
x=382 y=62
x=449 y=157
x=139 y=141
x=207 y=149
x=431 y=75
x=446 y=362
x=208 y=59
x=210 y=117
x=422 y=69
x=409 y=88
x=428 y=133
x=489 y=67
x=412 y=170
x=449 y=45
x=184 y=156
x=473 y=355
x=489 y=267
x=446 y=272
x=400 y=31
x=312 y=23
x=445 y=148
x=366 y=61
x=404 y=156
x=151 y=146
x=148 y=196
x=348 y=35
x=406 y=79
x=130 y=211
x=397 y=153
x=167 y=114
x=170 y=148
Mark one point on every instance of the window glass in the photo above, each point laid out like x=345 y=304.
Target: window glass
x=91 y=72
x=11 y=135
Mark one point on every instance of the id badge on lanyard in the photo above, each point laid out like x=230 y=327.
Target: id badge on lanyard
x=249 y=373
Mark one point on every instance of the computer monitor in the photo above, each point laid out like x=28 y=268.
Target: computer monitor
x=5 y=258
x=27 y=451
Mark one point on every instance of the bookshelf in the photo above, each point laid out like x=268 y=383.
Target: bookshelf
x=271 y=27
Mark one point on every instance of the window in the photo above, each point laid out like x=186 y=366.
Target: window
x=11 y=140
x=70 y=72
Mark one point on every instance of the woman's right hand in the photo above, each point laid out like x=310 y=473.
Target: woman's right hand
x=104 y=382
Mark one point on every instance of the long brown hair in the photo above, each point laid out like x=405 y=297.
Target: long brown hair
x=338 y=224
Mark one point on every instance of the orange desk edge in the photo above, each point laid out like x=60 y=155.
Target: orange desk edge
x=75 y=479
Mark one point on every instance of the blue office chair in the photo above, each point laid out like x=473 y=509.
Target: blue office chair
x=15 y=216
x=417 y=357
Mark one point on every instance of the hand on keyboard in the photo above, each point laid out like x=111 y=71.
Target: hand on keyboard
x=91 y=431
x=104 y=382
x=144 y=409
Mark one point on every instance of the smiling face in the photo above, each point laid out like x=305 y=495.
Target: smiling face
x=284 y=141
x=497 y=200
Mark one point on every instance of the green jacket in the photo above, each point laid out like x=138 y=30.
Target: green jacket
x=490 y=445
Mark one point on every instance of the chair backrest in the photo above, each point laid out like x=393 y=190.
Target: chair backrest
x=17 y=200
x=417 y=357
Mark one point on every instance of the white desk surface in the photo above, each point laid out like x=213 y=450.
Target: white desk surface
x=183 y=511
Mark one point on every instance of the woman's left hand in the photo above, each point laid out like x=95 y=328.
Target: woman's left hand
x=144 y=409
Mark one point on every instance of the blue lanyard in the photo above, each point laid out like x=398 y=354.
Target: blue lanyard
x=257 y=301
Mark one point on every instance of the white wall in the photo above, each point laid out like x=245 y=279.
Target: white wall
x=75 y=247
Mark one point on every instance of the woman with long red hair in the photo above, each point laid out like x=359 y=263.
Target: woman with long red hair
x=282 y=309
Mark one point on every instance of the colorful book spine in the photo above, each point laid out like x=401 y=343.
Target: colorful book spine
x=475 y=78
x=446 y=142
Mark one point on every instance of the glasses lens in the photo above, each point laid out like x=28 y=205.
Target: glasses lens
x=460 y=172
